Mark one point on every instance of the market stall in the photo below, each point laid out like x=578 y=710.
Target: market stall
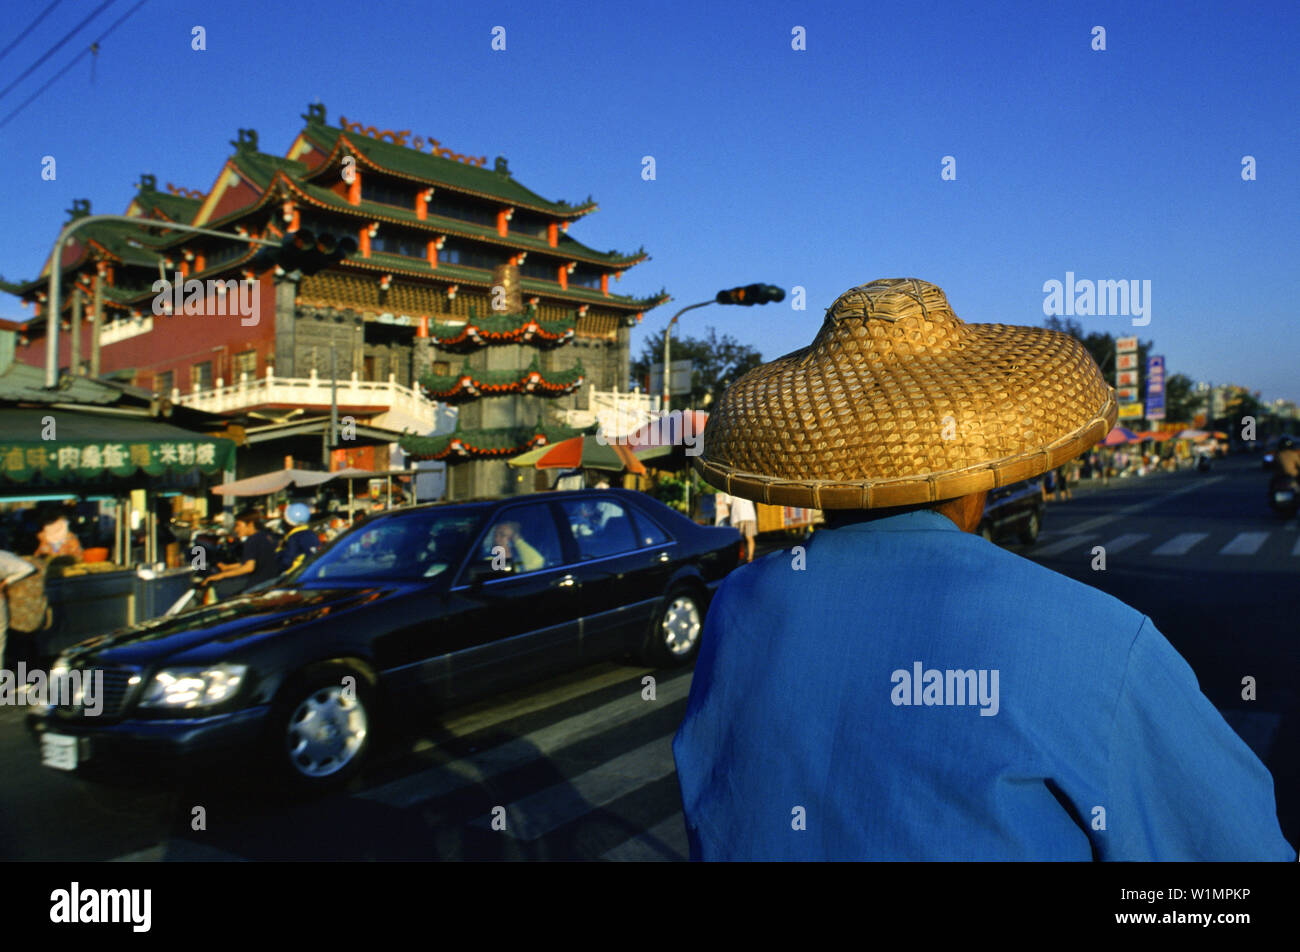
x=104 y=470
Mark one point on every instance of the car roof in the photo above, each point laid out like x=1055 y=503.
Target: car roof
x=486 y=502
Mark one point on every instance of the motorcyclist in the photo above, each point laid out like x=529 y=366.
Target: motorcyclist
x=1287 y=458
x=300 y=543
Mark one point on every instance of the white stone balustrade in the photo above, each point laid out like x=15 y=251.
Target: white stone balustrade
x=385 y=396
x=619 y=412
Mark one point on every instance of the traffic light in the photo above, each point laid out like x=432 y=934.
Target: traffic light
x=306 y=252
x=751 y=294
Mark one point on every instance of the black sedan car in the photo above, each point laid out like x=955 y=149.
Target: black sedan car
x=421 y=607
x=1014 y=510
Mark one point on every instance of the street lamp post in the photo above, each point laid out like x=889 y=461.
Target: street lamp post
x=748 y=295
x=668 y=333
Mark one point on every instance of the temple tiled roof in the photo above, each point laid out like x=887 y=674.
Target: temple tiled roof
x=566 y=248
x=470 y=384
x=435 y=170
x=460 y=445
x=178 y=208
x=478 y=331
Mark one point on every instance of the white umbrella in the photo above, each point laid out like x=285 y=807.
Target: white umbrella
x=273 y=482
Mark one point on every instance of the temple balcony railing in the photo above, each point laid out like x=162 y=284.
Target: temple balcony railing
x=619 y=412
x=394 y=405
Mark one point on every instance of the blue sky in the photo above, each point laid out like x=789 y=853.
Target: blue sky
x=817 y=168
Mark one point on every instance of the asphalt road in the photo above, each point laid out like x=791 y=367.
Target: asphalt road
x=582 y=764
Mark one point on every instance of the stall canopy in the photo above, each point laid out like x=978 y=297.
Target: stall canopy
x=47 y=445
x=273 y=482
x=1119 y=436
x=590 y=453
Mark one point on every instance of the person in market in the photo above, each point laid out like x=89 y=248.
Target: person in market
x=721 y=509
x=743 y=516
x=300 y=544
x=257 y=563
x=902 y=689
x=56 y=540
x=13 y=569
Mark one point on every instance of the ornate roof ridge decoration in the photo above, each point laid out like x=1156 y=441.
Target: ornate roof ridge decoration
x=179 y=192
x=461 y=445
x=496 y=184
x=470 y=383
x=524 y=327
x=418 y=143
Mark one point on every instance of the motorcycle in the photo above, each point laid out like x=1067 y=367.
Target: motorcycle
x=215 y=548
x=1284 y=495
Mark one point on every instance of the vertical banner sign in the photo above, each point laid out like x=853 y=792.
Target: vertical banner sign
x=1155 y=388
x=1127 y=383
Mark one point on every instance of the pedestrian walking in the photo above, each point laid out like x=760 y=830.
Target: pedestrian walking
x=904 y=689
x=13 y=569
x=744 y=518
x=721 y=509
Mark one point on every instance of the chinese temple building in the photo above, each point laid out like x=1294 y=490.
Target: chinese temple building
x=458 y=311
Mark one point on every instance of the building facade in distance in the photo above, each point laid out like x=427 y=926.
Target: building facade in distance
x=447 y=301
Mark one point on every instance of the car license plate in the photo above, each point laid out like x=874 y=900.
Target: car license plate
x=1283 y=497
x=59 y=751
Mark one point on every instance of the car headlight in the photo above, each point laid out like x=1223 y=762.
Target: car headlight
x=59 y=672
x=186 y=688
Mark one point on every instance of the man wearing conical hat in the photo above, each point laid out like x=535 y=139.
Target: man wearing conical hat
x=903 y=689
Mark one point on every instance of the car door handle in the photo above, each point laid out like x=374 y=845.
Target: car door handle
x=567 y=581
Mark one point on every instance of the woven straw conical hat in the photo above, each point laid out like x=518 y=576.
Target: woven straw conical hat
x=898 y=401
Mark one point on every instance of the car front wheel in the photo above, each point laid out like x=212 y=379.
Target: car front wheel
x=322 y=729
x=1029 y=533
x=674 y=638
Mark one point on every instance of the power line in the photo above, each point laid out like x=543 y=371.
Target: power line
x=19 y=38
x=56 y=47
x=94 y=47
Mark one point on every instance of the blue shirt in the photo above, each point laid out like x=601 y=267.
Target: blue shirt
x=909 y=691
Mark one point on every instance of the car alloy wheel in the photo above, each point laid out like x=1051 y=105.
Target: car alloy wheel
x=326 y=731
x=1030 y=532
x=681 y=625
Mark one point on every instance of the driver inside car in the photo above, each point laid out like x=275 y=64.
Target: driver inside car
x=507 y=541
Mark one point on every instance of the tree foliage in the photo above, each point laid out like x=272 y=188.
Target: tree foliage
x=1181 y=401
x=719 y=361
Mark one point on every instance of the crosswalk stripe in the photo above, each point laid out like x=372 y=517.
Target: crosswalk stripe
x=1244 y=543
x=664 y=841
x=1181 y=543
x=491 y=712
x=1056 y=548
x=486 y=764
x=1162 y=499
x=1126 y=541
x=547 y=810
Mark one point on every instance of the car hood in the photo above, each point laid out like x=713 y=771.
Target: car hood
x=229 y=621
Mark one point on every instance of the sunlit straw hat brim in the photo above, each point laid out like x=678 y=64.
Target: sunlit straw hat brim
x=898 y=401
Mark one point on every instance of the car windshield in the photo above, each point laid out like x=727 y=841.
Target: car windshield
x=415 y=545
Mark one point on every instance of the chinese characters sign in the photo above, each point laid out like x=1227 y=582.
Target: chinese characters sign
x=63 y=461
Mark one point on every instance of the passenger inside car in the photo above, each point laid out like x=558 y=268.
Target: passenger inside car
x=506 y=540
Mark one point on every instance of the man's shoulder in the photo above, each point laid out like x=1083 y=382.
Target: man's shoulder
x=922 y=560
